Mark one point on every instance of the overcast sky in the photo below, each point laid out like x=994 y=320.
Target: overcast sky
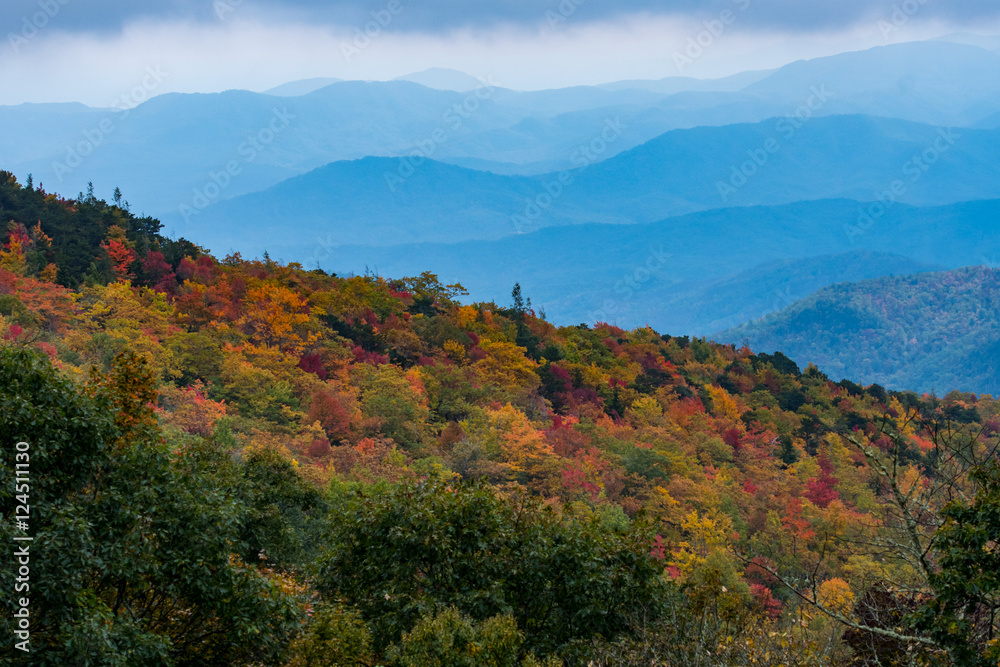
x=97 y=51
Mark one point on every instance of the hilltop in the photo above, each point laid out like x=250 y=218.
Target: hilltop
x=927 y=332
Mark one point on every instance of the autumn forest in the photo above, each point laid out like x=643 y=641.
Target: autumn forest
x=240 y=461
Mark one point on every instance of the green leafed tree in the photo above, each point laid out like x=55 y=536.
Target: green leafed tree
x=134 y=558
x=402 y=552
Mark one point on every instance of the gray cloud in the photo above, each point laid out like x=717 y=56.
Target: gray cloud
x=441 y=15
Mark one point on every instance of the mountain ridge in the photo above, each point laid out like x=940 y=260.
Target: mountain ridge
x=925 y=331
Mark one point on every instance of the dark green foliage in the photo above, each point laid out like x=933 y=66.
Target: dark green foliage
x=435 y=330
x=779 y=361
x=282 y=511
x=133 y=538
x=336 y=636
x=449 y=639
x=791 y=399
x=451 y=392
x=650 y=380
x=960 y=414
x=879 y=393
x=78 y=227
x=648 y=463
x=430 y=297
x=359 y=332
x=959 y=618
x=553 y=353
x=525 y=338
x=852 y=388
x=12 y=308
x=399 y=553
x=786 y=451
x=613 y=404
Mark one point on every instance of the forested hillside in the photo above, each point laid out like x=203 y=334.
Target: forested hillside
x=240 y=462
x=930 y=331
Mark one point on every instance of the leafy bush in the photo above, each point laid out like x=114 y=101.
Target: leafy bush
x=336 y=636
x=399 y=553
x=449 y=639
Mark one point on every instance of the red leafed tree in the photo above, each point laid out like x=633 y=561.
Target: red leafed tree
x=319 y=450
x=121 y=257
x=767 y=604
x=201 y=270
x=820 y=490
x=313 y=363
x=329 y=411
x=159 y=273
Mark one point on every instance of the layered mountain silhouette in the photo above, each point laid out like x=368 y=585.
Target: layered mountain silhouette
x=167 y=148
x=387 y=201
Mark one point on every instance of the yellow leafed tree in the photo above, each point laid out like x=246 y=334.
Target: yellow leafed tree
x=276 y=316
x=507 y=367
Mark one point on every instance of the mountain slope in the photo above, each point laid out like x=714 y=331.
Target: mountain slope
x=682 y=84
x=933 y=82
x=301 y=87
x=369 y=202
x=440 y=78
x=354 y=201
x=927 y=331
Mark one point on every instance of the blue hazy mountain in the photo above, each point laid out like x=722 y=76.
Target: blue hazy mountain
x=988 y=42
x=167 y=148
x=990 y=122
x=693 y=274
x=922 y=332
x=935 y=82
x=301 y=87
x=672 y=85
x=35 y=130
x=387 y=201
x=440 y=78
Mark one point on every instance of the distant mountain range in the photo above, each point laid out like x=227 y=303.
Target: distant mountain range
x=694 y=274
x=388 y=201
x=166 y=150
x=301 y=87
x=439 y=78
x=930 y=331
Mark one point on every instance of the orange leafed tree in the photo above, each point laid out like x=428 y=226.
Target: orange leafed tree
x=276 y=316
x=119 y=252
